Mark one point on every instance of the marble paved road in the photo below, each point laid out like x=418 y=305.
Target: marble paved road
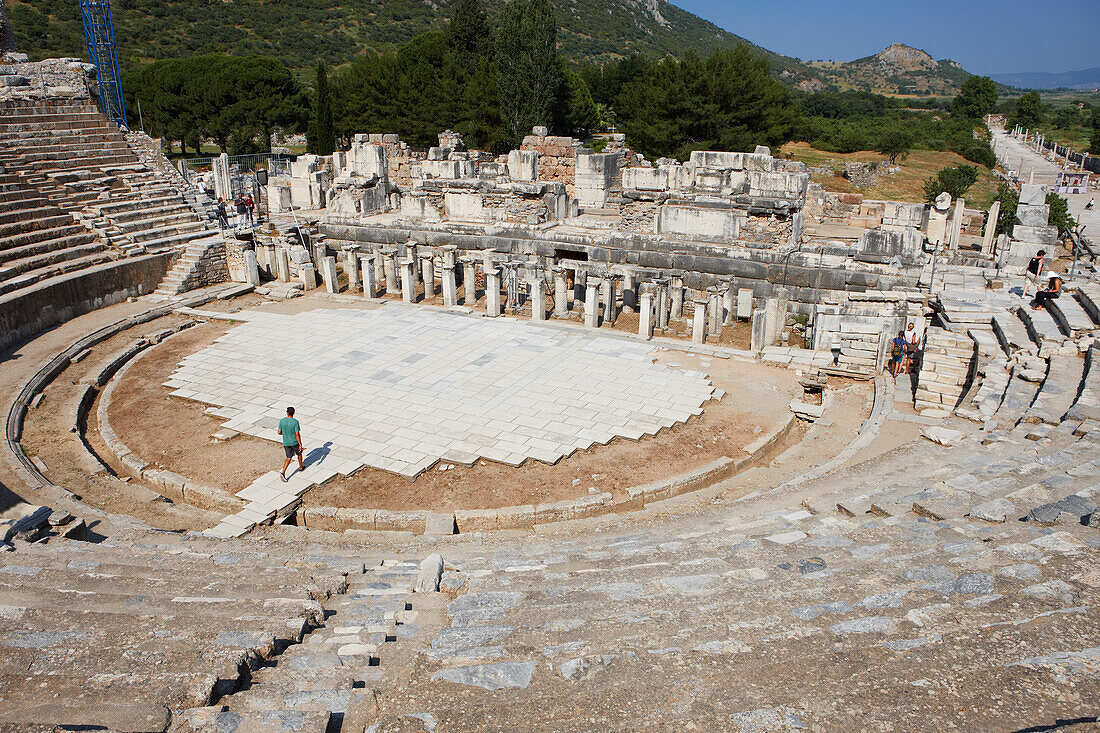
x=400 y=388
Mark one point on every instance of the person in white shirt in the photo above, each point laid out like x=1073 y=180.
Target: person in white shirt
x=912 y=346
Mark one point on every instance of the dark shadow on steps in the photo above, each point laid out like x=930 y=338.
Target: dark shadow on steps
x=1058 y=724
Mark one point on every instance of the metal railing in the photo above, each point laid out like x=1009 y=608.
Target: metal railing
x=241 y=167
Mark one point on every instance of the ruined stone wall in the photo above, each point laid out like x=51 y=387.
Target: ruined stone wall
x=66 y=78
x=639 y=216
x=557 y=158
x=213 y=267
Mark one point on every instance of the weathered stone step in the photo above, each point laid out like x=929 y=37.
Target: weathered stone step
x=1088 y=297
x=1041 y=325
x=13 y=254
x=18 y=266
x=1010 y=332
x=1058 y=391
x=1071 y=317
x=217 y=719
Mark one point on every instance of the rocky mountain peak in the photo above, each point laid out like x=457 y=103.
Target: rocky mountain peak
x=905 y=58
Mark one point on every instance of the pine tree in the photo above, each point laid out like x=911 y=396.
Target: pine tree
x=468 y=30
x=322 y=133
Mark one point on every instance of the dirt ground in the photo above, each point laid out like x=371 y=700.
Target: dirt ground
x=176 y=434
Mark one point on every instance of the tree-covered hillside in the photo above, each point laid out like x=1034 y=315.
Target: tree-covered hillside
x=301 y=32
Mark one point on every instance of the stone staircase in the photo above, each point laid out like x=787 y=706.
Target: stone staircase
x=39 y=239
x=325 y=682
x=120 y=633
x=81 y=163
x=201 y=263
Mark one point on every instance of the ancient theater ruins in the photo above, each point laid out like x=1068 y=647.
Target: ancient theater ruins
x=590 y=441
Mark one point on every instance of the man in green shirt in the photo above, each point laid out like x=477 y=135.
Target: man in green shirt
x=292 y=441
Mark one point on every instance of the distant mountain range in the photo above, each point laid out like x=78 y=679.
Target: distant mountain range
x=1083 y=79
x=300 y=32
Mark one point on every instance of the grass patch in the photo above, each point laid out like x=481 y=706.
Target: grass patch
x=905 y=185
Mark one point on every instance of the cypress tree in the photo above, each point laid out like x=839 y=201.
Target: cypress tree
x=322 y=133
x=529 y=78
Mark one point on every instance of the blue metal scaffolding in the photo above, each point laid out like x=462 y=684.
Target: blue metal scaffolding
x=99 y=36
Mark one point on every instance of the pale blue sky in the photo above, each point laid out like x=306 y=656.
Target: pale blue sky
x=985 y=37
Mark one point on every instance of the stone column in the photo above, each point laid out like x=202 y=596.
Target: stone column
x=956 y=223
x=537 y=291
x=389 y=269
x=645 y=313
x=282 y=263
x=699 y=321
x=351 y=267
x=222 y=184
x=677 y=292
x=308 y=276
x=251 y=268
x=630 y=293
x=268 y=265
x=379 y=268
x=715 y=314
x=492 y=289
x=662 y=303
x=320 y=251
x=744 y=303
x=771 y=321
x=580 y=279
x=427 y=271
x=609 y=300
x=370 y=284
x=561 y=294
x=592 y=302
x=728 y=298
x=469 y=284
x=450 y=285
x=408 y=281
x=758 y=339
x=328 y=273
x=990 y=227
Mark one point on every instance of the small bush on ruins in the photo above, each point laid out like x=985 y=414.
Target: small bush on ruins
x=1009 y=199
x=956 y=181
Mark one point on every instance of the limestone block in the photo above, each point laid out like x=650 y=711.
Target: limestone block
x=712 y=224
x=715 y=159
x=418 y=207
x=1032 y=215
x=1033 y=194
x=594 y=176
x=646 y=179
x=523 y=165
x=465 y=206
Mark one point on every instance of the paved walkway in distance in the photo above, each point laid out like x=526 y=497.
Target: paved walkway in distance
x=1016 y=155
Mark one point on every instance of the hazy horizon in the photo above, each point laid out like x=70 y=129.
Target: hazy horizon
x=1008 y=37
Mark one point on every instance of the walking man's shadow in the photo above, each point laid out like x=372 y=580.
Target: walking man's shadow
x=317 y=455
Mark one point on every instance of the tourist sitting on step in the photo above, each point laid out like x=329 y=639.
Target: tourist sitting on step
x=1053 y=290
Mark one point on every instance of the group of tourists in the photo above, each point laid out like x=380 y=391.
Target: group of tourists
x=905 y=351
x=1033 y=275
x=245 y=208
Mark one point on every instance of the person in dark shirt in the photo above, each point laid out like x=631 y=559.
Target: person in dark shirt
x=1053 y=290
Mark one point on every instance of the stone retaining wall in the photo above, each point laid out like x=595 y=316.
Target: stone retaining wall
x=340 y=519
x=166 y=483
x=43 y=305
